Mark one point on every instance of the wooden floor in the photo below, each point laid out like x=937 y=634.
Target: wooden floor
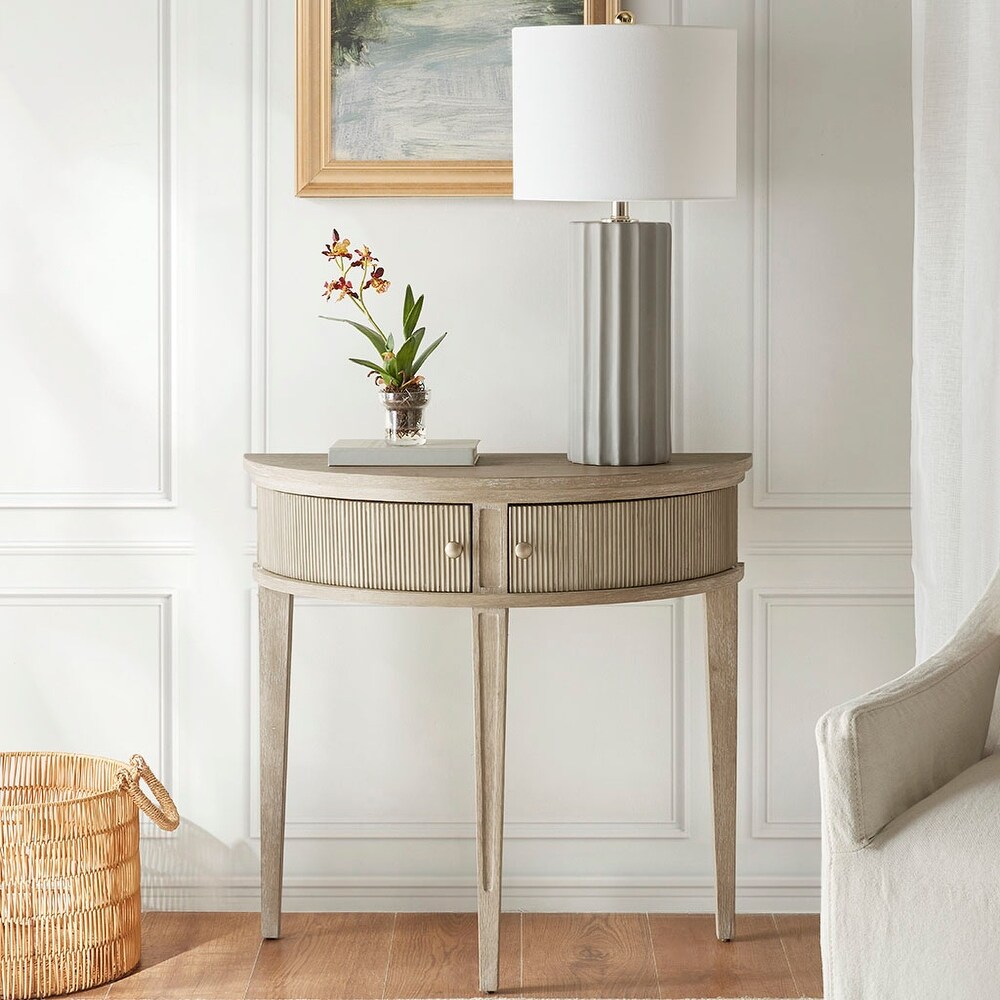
x=333 y=956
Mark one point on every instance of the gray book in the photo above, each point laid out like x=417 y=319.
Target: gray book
x=377 y=452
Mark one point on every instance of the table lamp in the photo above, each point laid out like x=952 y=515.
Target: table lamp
x=618 y=113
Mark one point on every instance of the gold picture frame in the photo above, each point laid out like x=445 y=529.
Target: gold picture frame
x=319 y=175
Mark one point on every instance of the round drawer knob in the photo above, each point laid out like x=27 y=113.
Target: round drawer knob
x=523 y=550
x=453 y=550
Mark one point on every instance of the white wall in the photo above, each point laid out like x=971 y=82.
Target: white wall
x=159 y=288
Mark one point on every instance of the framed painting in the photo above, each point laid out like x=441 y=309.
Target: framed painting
x=412 y=97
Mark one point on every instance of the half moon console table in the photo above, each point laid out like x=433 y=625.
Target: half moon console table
x=513 y=531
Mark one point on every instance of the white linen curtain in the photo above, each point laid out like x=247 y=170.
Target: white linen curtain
x=956 y=312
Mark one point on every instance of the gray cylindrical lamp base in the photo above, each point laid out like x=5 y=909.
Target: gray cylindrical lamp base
x=619 y=392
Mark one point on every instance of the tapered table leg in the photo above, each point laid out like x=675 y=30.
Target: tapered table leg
x=275 y=664
x=489 y=644
x=722 y=637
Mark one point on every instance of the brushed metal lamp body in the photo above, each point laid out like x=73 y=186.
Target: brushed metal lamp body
x=621 y=113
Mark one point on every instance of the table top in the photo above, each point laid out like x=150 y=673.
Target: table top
x=518 y=478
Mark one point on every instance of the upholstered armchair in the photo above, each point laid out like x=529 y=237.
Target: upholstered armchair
x=910 y=785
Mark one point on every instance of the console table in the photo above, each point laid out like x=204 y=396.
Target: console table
x=513 y=531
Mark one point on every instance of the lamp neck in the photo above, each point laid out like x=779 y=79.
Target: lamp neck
x=619 y=212
x=619 y=209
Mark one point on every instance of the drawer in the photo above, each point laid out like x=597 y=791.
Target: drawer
x=365 y=544
x=621 y=543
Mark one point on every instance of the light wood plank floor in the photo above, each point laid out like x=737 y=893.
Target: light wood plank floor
x=336 y=956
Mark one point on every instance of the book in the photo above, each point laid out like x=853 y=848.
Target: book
x=438 y=451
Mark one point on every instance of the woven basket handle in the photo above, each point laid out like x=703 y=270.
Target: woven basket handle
x=165 y=814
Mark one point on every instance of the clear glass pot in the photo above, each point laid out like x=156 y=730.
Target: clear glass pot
x=404 y=415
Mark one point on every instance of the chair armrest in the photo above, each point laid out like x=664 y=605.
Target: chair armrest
x=887 y=750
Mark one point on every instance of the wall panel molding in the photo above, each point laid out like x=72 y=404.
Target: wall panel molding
x=139 y=547
x=667 y=894
x=764 y=823
x=673 y=826
x=259 y=228
x=163 y=496
x=163 y=601
x=826 y=547
x=763 y=493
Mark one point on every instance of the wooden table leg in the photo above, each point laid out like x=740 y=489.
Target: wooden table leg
x=275 y=666
x=721 y=617
x=489 y=645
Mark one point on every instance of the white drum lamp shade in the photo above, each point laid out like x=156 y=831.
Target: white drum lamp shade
x=619 y=113
x=624 y=112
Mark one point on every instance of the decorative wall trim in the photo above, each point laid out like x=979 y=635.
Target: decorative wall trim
x=259 y=227
x=164 y=495
x=168 y=224
x=670 y=894
x=166 y=680
x=674 y=826
x=763 y=494
x=764 y=824
x=678 y=300
x=139 y=547
x=826 y=547
x=678 y=311
x=359 y=829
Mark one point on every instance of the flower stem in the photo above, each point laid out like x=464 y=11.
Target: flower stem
x=360 y=300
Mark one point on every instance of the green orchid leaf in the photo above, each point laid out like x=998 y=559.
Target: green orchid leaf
x=376 y=338
x=407 y=301
x=409 y=350
x=388 y=343
x=419 y=363
x=370 y=364
x=411 y=316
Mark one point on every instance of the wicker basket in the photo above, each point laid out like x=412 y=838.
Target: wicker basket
x=69 y=869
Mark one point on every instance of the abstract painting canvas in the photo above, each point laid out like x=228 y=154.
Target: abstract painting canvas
x=428 y=79
x=401 y=97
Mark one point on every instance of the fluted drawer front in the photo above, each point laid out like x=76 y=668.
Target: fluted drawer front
x=366 y=544
x=620 y=544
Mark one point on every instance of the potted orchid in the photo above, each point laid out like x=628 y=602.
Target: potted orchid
x=397 y=368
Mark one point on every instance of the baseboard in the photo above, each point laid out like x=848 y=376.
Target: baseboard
x=680 y=894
